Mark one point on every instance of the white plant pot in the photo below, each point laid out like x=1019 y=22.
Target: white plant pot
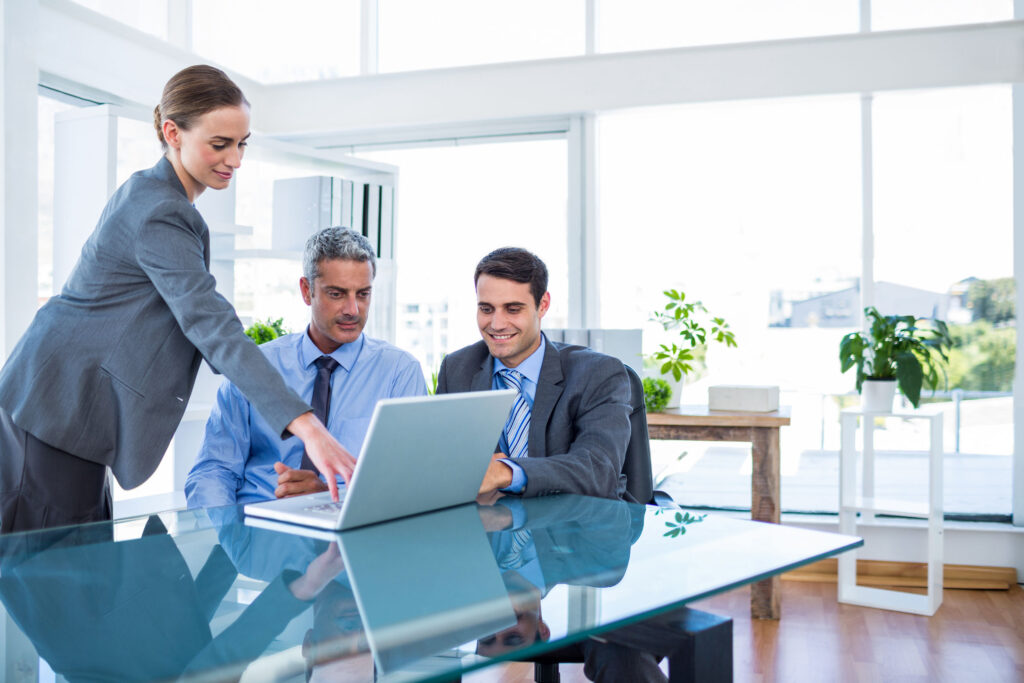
x=877 y=395
x=677 y=390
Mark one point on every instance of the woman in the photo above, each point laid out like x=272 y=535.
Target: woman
x=103 y=374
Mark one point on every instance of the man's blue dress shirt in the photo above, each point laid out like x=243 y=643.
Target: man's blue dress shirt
x=236 y=460
x=530 y=370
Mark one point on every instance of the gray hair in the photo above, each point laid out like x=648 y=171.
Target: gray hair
x=336 y=243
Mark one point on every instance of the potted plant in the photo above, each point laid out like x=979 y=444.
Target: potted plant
x=896 y=350
x=263 y=331
x=657 y=393
x=691 y=320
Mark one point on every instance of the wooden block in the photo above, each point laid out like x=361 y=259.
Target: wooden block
x=881 y=573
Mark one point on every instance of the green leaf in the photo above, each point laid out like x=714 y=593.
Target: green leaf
x=910 y=376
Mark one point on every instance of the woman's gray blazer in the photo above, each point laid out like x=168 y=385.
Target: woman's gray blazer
x=106 y=368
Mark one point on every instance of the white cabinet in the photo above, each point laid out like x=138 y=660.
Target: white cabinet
x=867 y=505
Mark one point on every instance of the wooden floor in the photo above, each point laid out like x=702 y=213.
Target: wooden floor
x=975 y=637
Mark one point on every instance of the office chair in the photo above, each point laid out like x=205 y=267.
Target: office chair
x=637 y=464
x=705 y=652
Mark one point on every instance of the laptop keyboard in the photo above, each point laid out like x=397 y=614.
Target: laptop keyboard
x=329 y=506
x=325 y=507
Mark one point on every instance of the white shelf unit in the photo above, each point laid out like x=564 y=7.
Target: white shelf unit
x=866 y=505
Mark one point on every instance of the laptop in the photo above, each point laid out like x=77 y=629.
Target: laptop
x=421 y=453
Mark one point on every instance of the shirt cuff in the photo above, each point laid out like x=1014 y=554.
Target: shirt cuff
x=518 y=477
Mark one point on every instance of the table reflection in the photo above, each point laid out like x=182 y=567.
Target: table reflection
x=412 y=592
x=132 y=610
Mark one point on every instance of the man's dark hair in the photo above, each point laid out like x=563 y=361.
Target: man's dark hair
x=518 y=265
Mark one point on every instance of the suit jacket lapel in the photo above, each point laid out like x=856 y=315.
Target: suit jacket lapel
x=549 y=389
x=484 y=377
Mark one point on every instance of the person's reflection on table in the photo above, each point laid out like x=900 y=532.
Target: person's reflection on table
x=131 y=610
x=336 y=637
x=544 y=543
x=337 y=631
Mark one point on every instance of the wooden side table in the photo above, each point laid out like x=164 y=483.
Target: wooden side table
x=761 y=430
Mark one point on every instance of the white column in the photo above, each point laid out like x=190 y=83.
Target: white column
x=867 y=208
x=582 y=236
x=867 y=182
x=19 y=187
x=179 y=23
x=85 y=160
x=369 y=27
x=591 y=10
x=584 y=282
x=1018 y=274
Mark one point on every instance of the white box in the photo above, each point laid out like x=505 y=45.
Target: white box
x=752 y=399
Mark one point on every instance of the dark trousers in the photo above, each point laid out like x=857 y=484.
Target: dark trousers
x=42 y=486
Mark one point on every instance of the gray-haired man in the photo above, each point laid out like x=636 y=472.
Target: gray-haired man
x=331 y=364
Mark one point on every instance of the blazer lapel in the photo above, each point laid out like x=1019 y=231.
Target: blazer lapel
x=549 y=389
x=483 y=379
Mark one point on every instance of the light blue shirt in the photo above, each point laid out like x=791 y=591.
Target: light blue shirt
x=236 y=460
x=530 y=370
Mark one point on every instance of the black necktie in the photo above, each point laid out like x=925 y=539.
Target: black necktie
x=325 y=366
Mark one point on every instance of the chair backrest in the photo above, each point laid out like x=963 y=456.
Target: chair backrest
x=637 y=467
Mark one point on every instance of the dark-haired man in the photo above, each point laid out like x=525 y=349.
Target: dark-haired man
x=568 y=429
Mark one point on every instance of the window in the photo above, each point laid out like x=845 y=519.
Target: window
x=150 y=16
x=48 y=110
x=430 y=35
x=944 y=247
x=889 y=15
x=275 y=42
x=456 y=205
x=754 y=209
x=655 y=24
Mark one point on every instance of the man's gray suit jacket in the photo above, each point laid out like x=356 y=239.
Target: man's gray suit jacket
x=579 y=424
x=106 y=368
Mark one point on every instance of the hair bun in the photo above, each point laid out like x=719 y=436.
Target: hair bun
x=158 y=123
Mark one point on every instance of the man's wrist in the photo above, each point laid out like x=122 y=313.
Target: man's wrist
x=517 y=483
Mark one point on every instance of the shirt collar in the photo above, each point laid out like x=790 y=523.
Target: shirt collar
x=529 y=368
x=345 y=354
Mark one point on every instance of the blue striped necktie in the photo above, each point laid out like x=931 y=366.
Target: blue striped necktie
x=517 y=427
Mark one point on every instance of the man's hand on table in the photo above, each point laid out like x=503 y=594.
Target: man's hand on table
x=292 y=482
x=498 y=476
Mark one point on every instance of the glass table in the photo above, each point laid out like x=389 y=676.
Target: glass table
x=208 y=595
